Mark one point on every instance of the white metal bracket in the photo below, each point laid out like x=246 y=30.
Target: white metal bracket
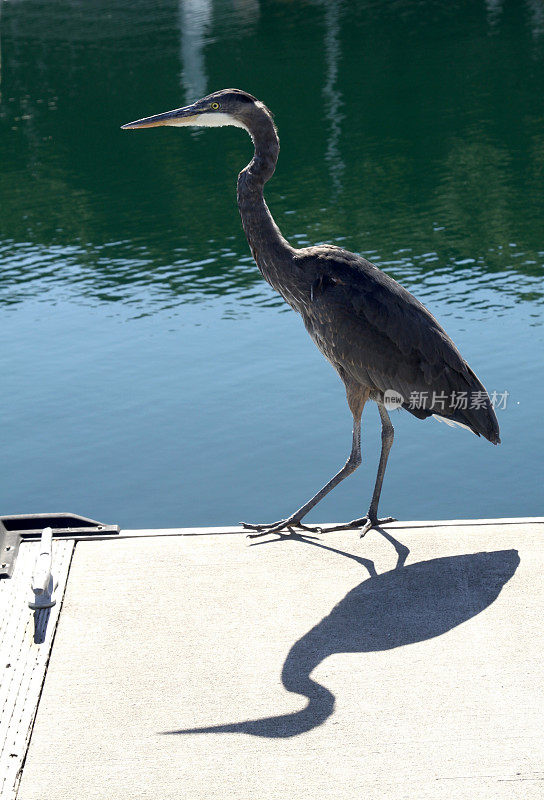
x=43 y=582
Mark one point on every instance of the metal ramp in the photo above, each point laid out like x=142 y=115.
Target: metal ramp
x=28 y=621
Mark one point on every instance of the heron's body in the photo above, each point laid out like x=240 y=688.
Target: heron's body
x=376 y=334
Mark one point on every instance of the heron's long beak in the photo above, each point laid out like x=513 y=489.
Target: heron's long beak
x=179 y=116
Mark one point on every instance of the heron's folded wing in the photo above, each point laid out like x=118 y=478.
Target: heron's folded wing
x=375 y=329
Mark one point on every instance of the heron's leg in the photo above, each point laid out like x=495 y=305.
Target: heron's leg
x=388 y=433
x=371 y=519
x=350 y=466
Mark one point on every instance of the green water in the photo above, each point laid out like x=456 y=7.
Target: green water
x=149 y=375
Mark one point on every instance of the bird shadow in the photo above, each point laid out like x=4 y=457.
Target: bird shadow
x=405 y=605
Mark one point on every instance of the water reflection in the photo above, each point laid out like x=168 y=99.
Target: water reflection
x=432 y=161
x=494 y=13
x=332 y=93
x=536 y=19
x=409 y=134
x=195 y=18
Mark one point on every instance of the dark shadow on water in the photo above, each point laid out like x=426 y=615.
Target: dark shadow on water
x=405 y=605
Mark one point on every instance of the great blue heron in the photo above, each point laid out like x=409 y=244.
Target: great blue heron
x=377 y=336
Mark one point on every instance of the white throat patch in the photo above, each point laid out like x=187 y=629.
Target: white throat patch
x=217 y=119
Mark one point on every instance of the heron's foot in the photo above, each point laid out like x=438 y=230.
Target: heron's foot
x=290 y=524
x=365 y=524
x=262 y=527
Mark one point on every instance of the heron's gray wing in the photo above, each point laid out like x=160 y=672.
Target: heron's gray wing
x=381 y=336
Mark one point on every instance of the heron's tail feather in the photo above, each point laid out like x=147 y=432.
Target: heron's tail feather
x=463 y=402
x=480 y=415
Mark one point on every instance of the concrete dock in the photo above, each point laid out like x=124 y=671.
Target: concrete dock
x=199 y=664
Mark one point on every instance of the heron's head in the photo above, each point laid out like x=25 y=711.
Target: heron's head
x=226 y=107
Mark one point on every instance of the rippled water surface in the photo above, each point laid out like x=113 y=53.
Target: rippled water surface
x=149 y=375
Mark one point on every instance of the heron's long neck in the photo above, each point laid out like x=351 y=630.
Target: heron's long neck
x=265 y=240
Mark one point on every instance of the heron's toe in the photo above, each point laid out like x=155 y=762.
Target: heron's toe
x=284 y=527
x=373 y=522
x=262 y=526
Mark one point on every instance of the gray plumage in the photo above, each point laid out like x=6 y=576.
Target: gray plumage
x=375 y=333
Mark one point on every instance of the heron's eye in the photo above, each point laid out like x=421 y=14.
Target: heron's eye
x=215 y=106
